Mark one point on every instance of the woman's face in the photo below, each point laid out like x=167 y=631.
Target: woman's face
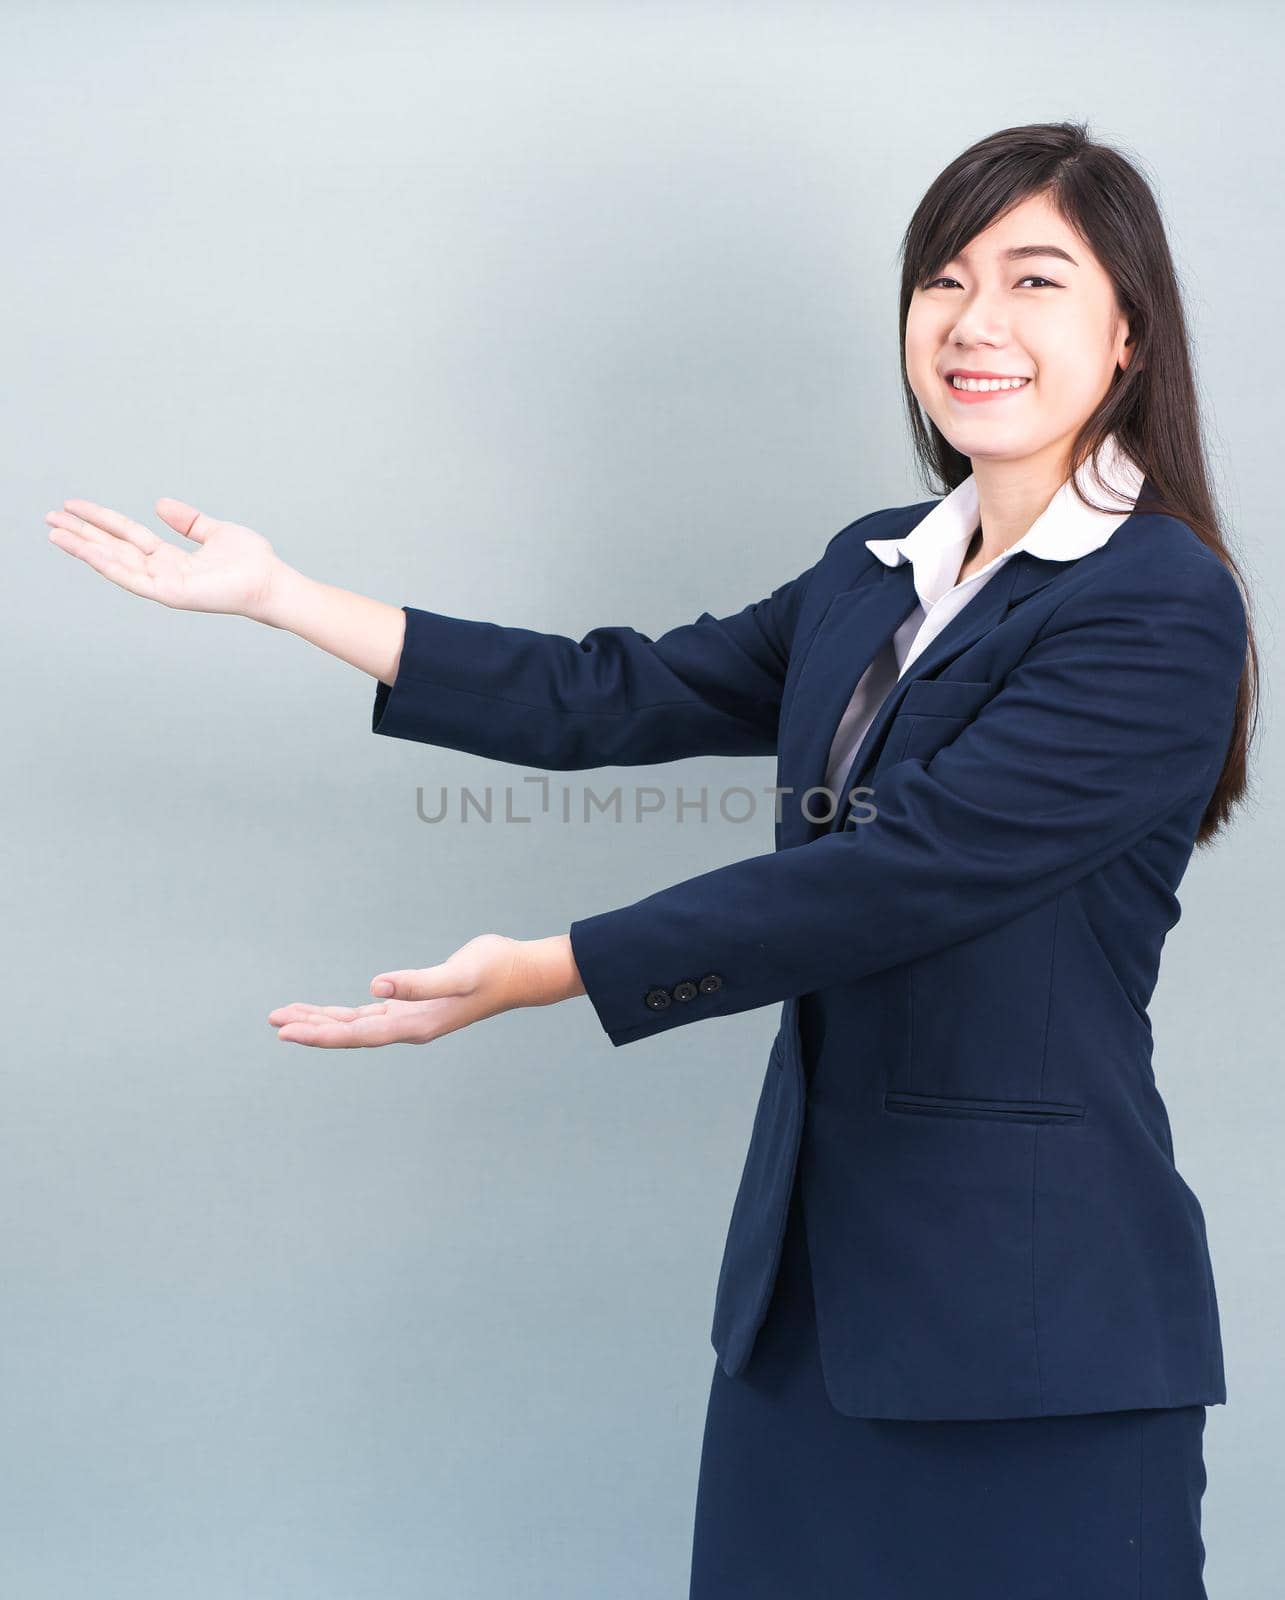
x=1042 y=317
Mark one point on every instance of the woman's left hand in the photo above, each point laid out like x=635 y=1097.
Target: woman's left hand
x=489 y=974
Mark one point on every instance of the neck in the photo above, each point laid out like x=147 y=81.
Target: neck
x=1011 y=495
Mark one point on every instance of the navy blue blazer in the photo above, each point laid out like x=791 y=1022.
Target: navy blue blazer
x=963 y=955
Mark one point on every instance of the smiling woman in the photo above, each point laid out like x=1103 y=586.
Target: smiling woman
x=940 y=1303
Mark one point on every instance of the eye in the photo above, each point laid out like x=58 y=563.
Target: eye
x=1031 y=277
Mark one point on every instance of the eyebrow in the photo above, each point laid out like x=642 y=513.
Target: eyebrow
x=1019 y=252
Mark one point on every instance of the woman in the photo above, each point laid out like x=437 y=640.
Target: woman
x=965 y=1322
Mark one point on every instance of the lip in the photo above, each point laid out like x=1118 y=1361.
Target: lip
x=972 y=372
x=965 y=397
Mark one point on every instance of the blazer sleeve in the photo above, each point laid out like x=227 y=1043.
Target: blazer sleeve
x=1120 y=712
x=613 y=697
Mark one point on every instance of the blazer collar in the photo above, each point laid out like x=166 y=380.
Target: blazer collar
x=1065 y=530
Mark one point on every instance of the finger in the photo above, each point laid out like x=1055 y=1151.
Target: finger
x=185 y=519
x=359 y=1034
x=306 y=1031
x=85 y=514
x=114 y=560
x=418 y=983
x=67 y=522
x=300 y=1008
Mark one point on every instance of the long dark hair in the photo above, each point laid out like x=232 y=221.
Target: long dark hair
x=1151 y=404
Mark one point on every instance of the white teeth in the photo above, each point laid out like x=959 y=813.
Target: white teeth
x=981 y=385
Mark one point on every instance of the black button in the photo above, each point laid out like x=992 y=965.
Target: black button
x=686 y=990
x=657 y=999
x=710 y=982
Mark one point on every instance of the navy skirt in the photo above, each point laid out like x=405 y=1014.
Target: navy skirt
x=798 y=1501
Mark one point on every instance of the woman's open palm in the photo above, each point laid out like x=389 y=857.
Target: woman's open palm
x=230 y=570
x=482 y=978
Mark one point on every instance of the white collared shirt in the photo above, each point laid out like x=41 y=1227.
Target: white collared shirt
x=937 y=544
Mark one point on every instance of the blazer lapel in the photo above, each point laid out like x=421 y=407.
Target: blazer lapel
x=986 y=608
x=856 y=624
x=1019 y=577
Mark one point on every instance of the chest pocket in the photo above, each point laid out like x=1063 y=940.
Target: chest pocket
x=932 y=712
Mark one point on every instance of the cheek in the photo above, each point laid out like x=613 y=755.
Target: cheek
x=921 y=352
x=918 y=331
x=1075 y=348
x=1072 y=372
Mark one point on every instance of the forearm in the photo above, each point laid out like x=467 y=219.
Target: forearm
x=366 y=633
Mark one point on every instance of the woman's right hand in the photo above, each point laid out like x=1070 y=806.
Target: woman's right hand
x=231 y=570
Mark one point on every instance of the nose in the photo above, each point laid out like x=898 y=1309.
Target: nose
x=982 y=322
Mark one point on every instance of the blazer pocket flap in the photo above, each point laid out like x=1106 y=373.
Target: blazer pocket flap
x=944 y=1105
x=945 y=697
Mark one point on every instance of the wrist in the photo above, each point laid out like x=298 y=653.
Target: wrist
x=281 y=597
x=548 y=971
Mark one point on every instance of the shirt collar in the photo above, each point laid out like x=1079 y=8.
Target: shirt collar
x=1065 y=530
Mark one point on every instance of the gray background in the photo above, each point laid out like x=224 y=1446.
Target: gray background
x=560 y=316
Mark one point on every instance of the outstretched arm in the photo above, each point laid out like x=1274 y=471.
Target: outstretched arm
x=613 y=697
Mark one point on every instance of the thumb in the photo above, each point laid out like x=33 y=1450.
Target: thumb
x=420 y=983
x=185 y=519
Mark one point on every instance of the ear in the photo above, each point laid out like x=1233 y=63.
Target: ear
x=1125 y=347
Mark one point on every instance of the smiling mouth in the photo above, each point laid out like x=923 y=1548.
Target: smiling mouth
x=972 y=390
x=1015 y=382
